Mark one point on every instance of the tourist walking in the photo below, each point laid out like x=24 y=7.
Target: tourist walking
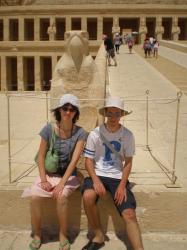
x=130 y=44
x=109 y=46
x=117 y=42
x=155 y=49
x=147 y=47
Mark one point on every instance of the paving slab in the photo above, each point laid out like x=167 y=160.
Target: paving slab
x=11 y=240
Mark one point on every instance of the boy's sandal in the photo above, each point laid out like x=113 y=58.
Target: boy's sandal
x=35 y=244
x=63 y=244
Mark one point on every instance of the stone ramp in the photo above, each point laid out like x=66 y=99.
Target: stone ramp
x=130 y=80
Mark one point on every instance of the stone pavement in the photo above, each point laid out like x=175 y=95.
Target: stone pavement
x=11 y=240
x=151 y=170
x=130 y=80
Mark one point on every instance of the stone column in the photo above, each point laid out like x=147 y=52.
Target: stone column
x=68 y=23
x=51 y=31
x=3 y=74
x=142 y=29
x=175 y=29
x=20 y=73
x=36 y=29
x=115 y=28
x=159 y=29
x=54 y=62
x=37 y=73
x=21 y=29
x=84 y=23
x=6 y=29
x=99 y=28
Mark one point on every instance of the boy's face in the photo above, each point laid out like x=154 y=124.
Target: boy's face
x=113 y=115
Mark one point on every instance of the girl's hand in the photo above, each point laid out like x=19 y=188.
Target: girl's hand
x=45 y=185
x=57 y=191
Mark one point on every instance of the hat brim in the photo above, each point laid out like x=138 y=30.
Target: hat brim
x=59 y=106
x=124 y=112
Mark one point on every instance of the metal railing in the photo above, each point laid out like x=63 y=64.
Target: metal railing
x=171 y=173
x=173 y=177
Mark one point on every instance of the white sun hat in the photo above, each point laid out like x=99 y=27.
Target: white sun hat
x=67 y=98
x=115 y=102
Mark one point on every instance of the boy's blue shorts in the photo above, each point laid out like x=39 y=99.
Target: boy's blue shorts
x=111 y=185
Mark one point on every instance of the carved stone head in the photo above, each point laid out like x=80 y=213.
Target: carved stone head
x=76 y=45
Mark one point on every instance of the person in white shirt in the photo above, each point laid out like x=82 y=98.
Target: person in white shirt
x=155 y=49
x=109 y=152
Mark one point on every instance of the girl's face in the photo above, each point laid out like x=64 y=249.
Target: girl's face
x=67 y=112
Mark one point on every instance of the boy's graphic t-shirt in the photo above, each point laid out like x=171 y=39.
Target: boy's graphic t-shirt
x=106 y=162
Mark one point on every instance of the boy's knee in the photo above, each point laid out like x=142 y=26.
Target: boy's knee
x=129 y=215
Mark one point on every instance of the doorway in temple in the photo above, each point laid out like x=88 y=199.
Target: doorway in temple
x=130 y=24
x=150 y=24
x=167 y=24
x=182 y=23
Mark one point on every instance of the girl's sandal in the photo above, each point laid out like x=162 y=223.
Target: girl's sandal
x=35 y=244
x=63 y=244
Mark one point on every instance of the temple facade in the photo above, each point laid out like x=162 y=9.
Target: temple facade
x=32 y=32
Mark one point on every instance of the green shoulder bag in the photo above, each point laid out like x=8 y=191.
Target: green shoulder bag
x=51 y=158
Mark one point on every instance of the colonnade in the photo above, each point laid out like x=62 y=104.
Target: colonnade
x=30 y=46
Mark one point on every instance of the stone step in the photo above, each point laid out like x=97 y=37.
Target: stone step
x=157 y=211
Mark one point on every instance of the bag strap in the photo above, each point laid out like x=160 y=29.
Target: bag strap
x=52 y=141
x=109 y=145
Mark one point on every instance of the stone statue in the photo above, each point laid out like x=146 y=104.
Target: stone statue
x=159 y=29
x=51 y=31
x=159 y=21
x=142 y=21
x=143 y=28
x=175 y=30
x=76 y=72
x=115 y=28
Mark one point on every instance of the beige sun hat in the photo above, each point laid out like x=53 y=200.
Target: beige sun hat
x=115 y=102
x=67 y=98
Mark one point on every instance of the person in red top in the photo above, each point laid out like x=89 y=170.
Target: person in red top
x=130 y=44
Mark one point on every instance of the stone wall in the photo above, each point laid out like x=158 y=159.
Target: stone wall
x=77 y=2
